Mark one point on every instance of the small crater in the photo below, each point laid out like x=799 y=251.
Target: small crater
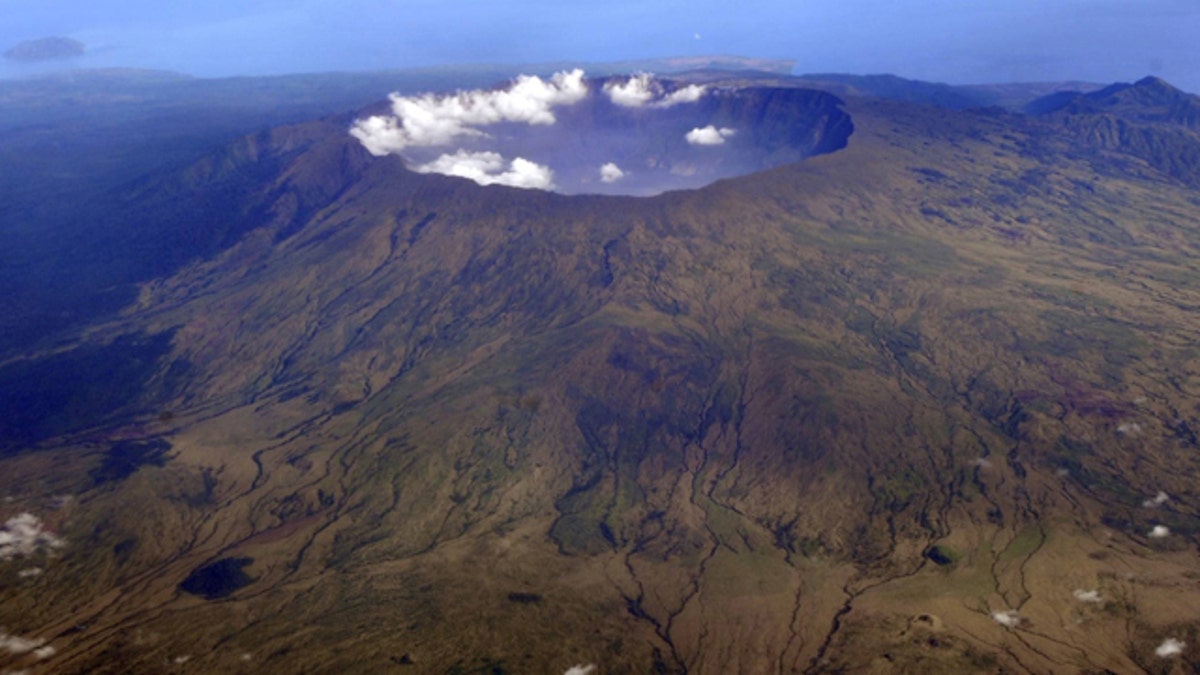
x=928 y=622
x=525 y=598
x=125 y=458
x=218 y=579
x=942 y=555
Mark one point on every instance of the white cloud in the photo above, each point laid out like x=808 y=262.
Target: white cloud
x=580 y=670
x=1159 y=532
x=709 y=135
x=684 y=169
x=1129 y=428
x=29 y=572
x=18 y=645
x=23 y=535
x=635 y=92
x=611 y=173
x=1170 y=647
x=644 y=89
x=488 y=168
x=1092 y=597
x=1007 y=618
x=44 y=652
x=688 y=94
x=1159 y=499
x=432 y=120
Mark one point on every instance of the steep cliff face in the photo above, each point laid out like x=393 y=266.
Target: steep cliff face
x=886 y=408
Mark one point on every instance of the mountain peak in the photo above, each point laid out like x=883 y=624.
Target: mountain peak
x=1148 y=91
x=1153 y=89
x=1150 y=99
x=1153 y=82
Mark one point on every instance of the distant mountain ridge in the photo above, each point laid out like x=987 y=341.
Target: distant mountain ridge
x=1150 y=99
x=45 y=49
x=954 y=97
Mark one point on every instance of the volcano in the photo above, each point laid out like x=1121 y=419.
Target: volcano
x=895 y=388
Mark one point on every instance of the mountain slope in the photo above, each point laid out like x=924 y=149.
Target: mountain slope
x=840 y=415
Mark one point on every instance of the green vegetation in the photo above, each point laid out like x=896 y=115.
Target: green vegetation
x=1026 y=541
x=943 y=555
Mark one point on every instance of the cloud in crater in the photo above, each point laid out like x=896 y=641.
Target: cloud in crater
x=611 y=173
x=431 y=120
x=489 y=168
x=709 y=135
x=644 y=90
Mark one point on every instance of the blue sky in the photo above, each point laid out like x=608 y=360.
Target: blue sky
x=958 y=41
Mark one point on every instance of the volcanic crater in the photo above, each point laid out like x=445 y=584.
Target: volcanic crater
x=635 y=135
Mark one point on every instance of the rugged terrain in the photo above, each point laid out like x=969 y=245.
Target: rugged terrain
x=904 y=407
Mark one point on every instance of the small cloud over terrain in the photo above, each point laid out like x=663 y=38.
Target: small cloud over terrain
x=611 y=173
x=709 y=135
x=1159 y=499
x=581 y=670
x=1008 y=618
x=1129 y=429
x=1159 y=532
x=1170 y=647
x=18 y=645
x=23 y=535
x=1092 y=597
x=44 y=652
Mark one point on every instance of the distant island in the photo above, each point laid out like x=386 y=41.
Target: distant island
x=45 y=49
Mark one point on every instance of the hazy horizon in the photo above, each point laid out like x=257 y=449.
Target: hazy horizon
x=935 y=40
